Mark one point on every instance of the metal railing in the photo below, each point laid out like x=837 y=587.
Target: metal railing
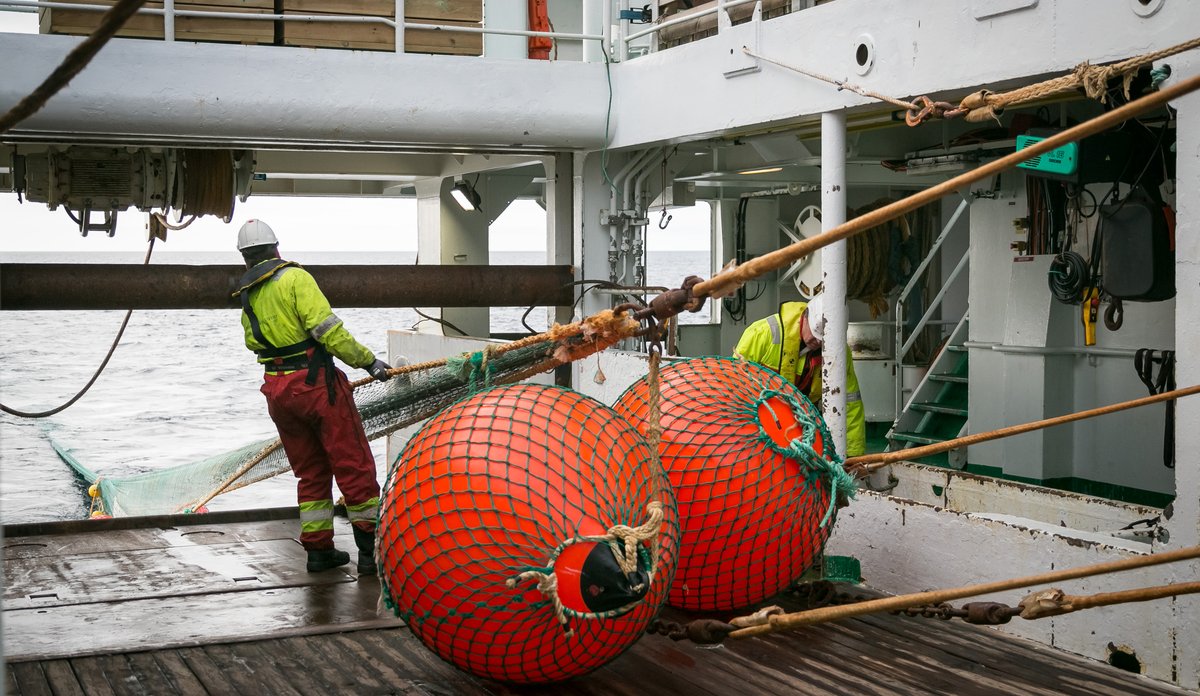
x=397 y=22
x=904 y=345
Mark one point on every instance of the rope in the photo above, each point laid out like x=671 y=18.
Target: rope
x=625 y=543
x=985 y=105
x=841 y=84
x=73 y=64
x=780 y=258
x=806 y=618
x=1055 y=602
x=869 y=462
x=104 y=363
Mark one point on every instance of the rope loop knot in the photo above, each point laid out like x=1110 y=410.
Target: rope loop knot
x=630 y=553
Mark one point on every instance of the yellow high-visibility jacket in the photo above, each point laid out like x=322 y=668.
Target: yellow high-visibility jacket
x=291 y=308
x=774 y=342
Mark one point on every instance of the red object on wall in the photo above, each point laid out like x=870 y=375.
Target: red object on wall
x=539 y=20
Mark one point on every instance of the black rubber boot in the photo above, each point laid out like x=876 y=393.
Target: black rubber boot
x=326 y=559
x=365 y=541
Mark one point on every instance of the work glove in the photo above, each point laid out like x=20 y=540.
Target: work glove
x=379 y=370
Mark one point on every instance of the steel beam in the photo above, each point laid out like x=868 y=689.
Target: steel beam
x=134 y=286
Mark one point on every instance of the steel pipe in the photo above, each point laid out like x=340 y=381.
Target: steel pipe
x=134 y=286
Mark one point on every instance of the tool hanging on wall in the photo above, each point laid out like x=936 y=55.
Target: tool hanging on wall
x=1144 y=361
x=1091 y=311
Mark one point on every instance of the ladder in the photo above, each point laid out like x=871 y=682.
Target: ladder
x=937 y=410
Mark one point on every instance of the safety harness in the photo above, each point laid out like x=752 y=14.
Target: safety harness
x=284 y=357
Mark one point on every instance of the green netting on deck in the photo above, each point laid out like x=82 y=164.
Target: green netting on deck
x=385 y=407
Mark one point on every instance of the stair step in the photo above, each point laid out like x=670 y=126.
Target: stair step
x=949 y=378
x=914 y=438
x=938 y=408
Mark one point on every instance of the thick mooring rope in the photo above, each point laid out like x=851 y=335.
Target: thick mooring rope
x=985 y=105
x=781 y=622
x=1092 y=79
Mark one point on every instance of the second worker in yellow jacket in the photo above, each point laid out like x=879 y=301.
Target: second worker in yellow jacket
x=789 y=343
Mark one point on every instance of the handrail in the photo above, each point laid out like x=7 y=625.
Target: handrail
x=902 y=346
x=687 y=18
x=937 y=301
x=168 y=12
x=1089 y=351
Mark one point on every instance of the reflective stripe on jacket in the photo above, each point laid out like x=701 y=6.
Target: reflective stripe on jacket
x=775 y=342
x=291 y=308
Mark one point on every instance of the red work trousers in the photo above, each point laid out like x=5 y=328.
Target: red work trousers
x=323 y=441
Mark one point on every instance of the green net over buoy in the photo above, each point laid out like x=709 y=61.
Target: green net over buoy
x=527 y=535
x=755 y=473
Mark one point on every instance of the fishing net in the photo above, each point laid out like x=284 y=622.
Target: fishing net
x=414 y=394
x=527 y=535
x=756 y=475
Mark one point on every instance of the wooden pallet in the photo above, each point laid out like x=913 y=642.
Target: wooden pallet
x=144 y=26
x=381 y=37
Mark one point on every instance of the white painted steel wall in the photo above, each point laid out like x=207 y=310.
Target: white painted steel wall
x=1011 y=307
x=920 y=48
x=270 y=94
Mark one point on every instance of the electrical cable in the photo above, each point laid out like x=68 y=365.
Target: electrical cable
x=735 y=305
x=1068 y=276
x=112 y=349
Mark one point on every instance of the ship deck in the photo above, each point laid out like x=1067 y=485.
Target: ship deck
x=221 y=604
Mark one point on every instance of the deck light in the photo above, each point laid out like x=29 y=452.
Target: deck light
x=765 y=170
x=466 y=195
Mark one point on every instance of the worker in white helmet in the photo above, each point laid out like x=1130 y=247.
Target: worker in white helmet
x=289 y=324
x=789 y=342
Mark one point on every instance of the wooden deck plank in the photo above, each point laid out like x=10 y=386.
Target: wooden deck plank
x=207 y=672
x=297 y=675
x=804 y=674
x=31 y=680
x=246 y=677
x=1004 y=654
x=62 y=678
x=10 y=681
x=124 y=678
x=91 y=676
x=266 y=670
x=933 y=669
x=319 y=668
x=354 y=670
x=180 y=678
x=420 y=663
x=814 y=661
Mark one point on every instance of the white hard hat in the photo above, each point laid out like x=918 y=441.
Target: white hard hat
x=255 y=233
x=816 y=322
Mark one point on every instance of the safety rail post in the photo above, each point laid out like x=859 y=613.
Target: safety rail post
x=833 y=268
x=168 y=20
x=399 y=26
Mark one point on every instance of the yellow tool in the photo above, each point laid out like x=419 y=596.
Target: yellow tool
x=1091 y=310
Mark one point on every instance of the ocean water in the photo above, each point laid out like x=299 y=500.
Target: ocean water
x=180 y=387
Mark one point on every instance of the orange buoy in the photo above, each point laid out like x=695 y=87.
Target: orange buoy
x=754 y=470
x=497 y=529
